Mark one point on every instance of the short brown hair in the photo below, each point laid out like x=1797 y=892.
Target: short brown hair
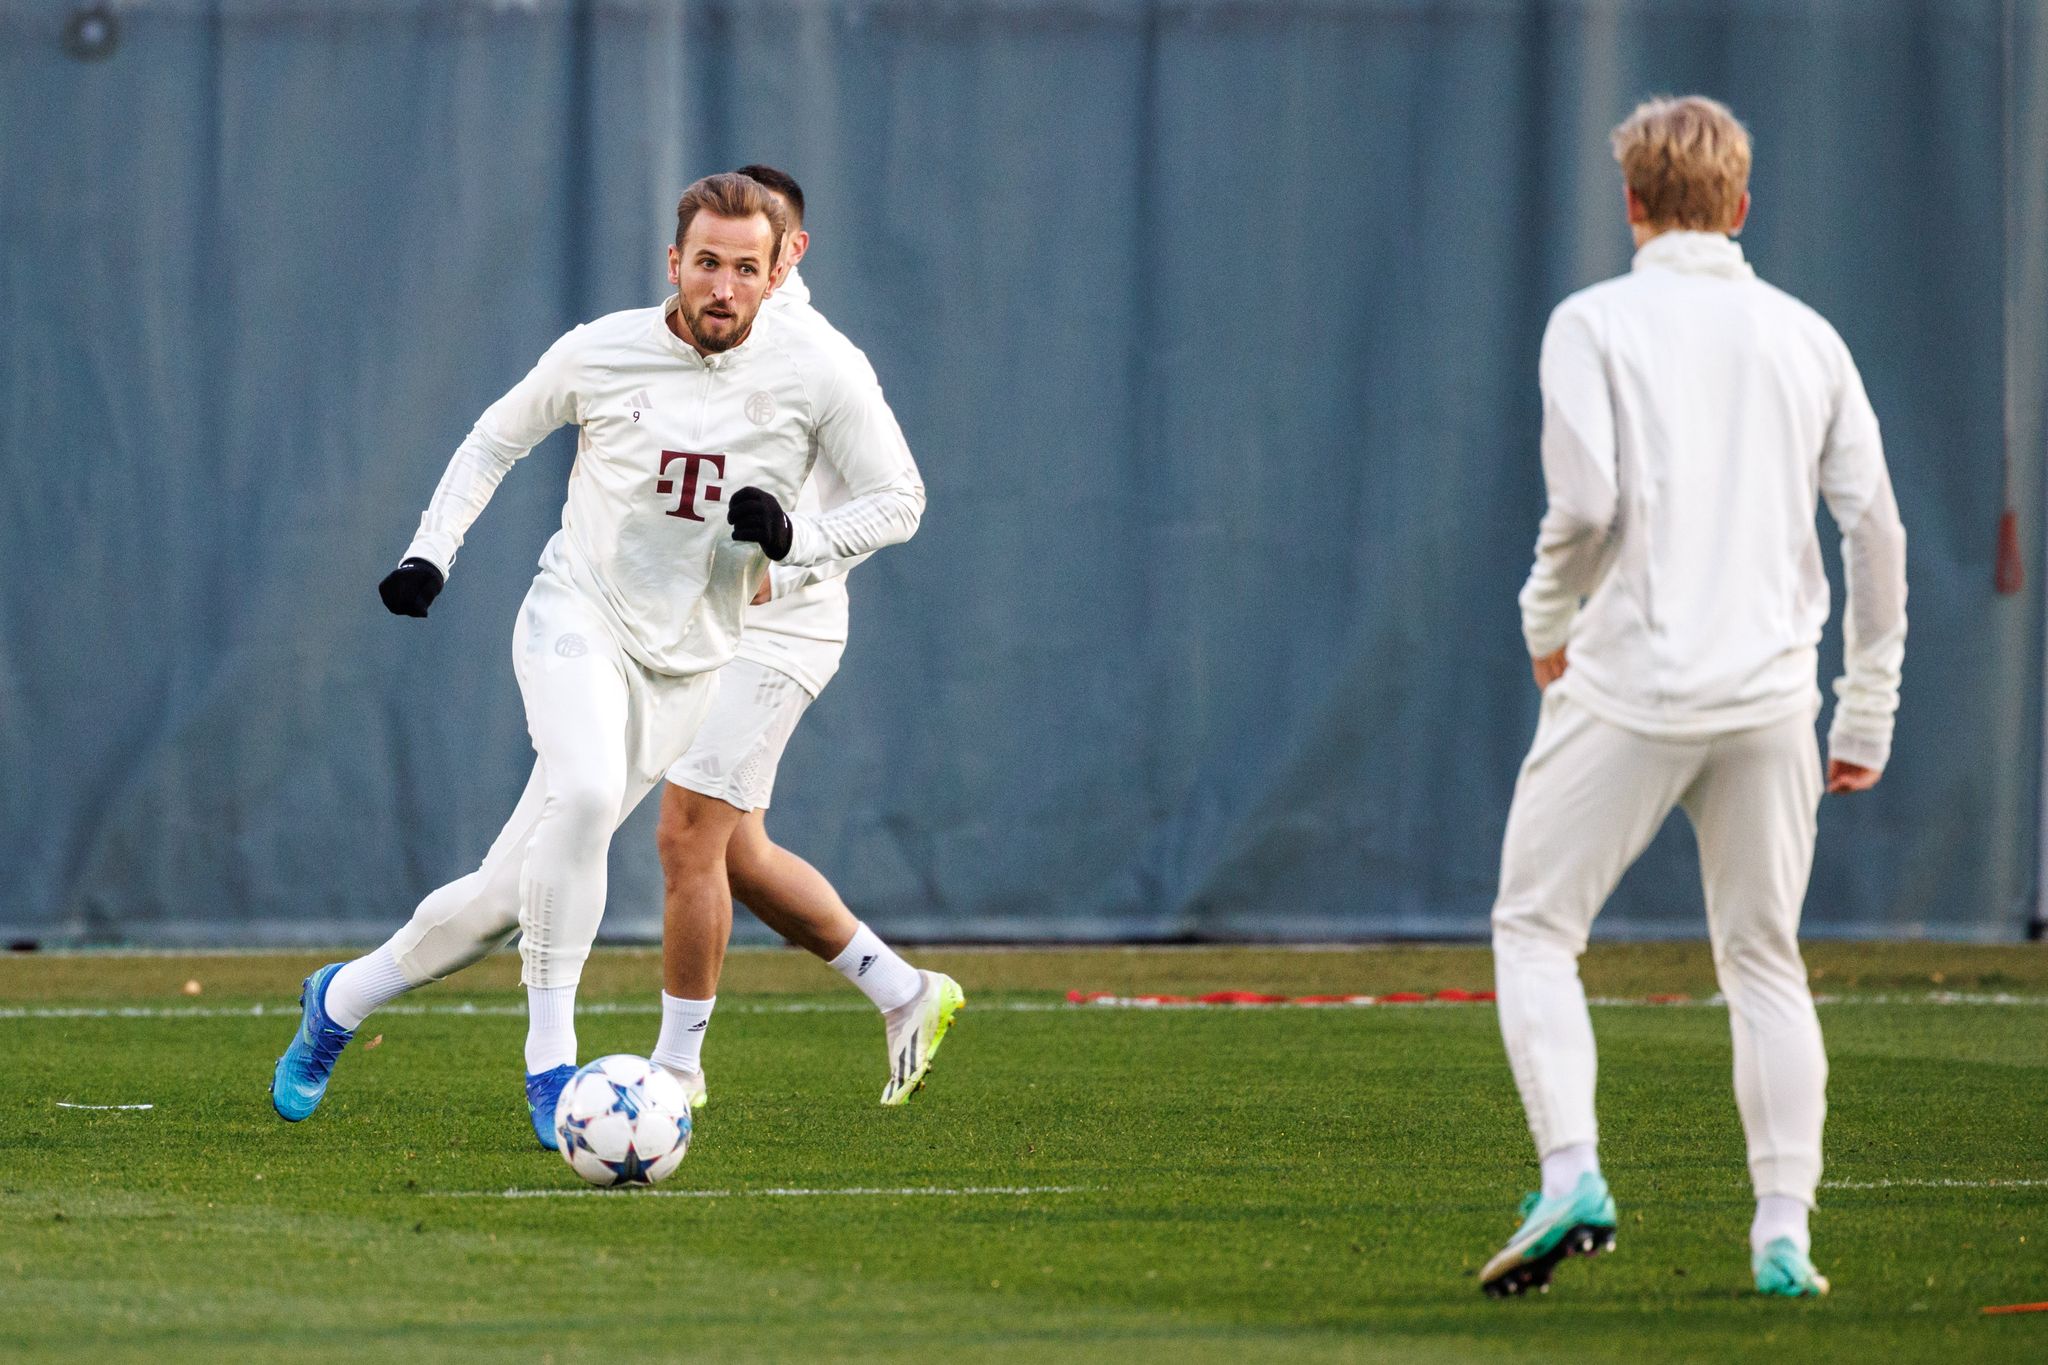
x=731 y=196
x=1687 y=160
x=783 y=183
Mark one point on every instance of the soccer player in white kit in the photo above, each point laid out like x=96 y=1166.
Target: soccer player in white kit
x=713 y=832
x=638 y=602
x=1692 y=416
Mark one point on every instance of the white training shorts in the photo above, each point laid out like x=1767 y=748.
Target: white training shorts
x=740 y=744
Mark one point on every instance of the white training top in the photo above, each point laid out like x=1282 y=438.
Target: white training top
x=1692 y=415
x=668 y=436
x=801 y=630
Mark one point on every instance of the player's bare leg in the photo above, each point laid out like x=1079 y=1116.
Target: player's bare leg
x=696 y=924
x=786 y=893
x=795 y=900
x=696 y=917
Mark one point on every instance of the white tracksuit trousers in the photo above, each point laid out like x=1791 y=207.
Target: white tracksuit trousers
x=604 y=731
x=1590 y=797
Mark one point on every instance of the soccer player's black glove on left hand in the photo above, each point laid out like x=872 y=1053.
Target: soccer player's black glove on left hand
x=756 y=516
x=411 y=588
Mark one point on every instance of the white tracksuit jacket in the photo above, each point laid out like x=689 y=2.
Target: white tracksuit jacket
x=1692 y=418
x=802 y=629
x=667 y=437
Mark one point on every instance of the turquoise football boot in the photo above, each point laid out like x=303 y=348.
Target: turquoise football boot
x=543 y=1089
x=1580 y=1223
x=300 y=1080
x=1784 y=1271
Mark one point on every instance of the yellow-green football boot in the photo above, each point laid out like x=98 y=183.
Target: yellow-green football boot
x=692 y=1082
x=915 y=1032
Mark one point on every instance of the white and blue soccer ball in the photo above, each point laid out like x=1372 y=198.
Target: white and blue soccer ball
x=622 y=1120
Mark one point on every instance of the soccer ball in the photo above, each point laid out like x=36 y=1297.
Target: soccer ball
x=623 y=1121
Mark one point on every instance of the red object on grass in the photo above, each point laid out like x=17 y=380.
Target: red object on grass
x=2011 y=573
x=2019 y=1308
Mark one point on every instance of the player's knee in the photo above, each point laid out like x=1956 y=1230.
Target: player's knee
x=1522 y=927
x=588 y=806
x=672 y=842
x=1761 y=966
x=688 y=843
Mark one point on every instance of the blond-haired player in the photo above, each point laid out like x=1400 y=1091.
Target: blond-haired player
x=699 y=422
x=1692 y=417
x=714 y=832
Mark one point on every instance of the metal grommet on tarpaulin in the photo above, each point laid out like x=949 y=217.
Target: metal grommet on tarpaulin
x=92 y=33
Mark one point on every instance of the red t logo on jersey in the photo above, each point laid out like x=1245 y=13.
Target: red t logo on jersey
x=687 y=508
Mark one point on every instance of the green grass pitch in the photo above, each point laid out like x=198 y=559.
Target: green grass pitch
x=1185 y=1185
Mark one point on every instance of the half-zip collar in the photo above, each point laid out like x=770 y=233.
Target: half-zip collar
x=1694 y=253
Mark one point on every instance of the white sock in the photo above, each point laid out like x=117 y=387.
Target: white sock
x=1563 y=1167
x=1779 y=1215
x=882 y=976
x=683 y=1025
x=550 y=1028
x=364 y=984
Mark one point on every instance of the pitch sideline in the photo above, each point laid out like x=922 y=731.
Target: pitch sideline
x=1154 y=1004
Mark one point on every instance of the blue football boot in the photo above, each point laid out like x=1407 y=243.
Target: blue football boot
x=300 y=1081
x=543 y=1088
x=1577 y=1223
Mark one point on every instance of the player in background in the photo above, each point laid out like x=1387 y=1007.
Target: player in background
x=713 y=833
x=638 y=601
x=1692 y=415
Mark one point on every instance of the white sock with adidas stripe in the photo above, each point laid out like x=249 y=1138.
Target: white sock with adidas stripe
x=683 y=1024
x=881 y=975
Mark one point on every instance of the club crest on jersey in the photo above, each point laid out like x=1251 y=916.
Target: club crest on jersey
x=572 y=646
x=760 y=407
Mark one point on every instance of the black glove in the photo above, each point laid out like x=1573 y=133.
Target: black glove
x=411 y=588
x=756 y=516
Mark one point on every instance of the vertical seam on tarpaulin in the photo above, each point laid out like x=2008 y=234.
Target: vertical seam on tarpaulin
x=577 y=176
x=1156 y=907
x=2008 y=114
x=2025 y=373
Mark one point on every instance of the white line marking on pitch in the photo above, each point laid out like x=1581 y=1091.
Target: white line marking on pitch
x=510 y=1011
x=856 y=1193
x=1933 y=1184
x=67 y=1104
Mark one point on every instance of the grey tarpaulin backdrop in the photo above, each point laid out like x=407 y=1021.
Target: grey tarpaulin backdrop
x=1214 y=326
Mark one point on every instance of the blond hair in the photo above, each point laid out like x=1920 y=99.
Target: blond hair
x=1687 y=160
x=731 y=196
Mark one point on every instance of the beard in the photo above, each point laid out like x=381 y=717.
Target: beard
x=715 y=333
